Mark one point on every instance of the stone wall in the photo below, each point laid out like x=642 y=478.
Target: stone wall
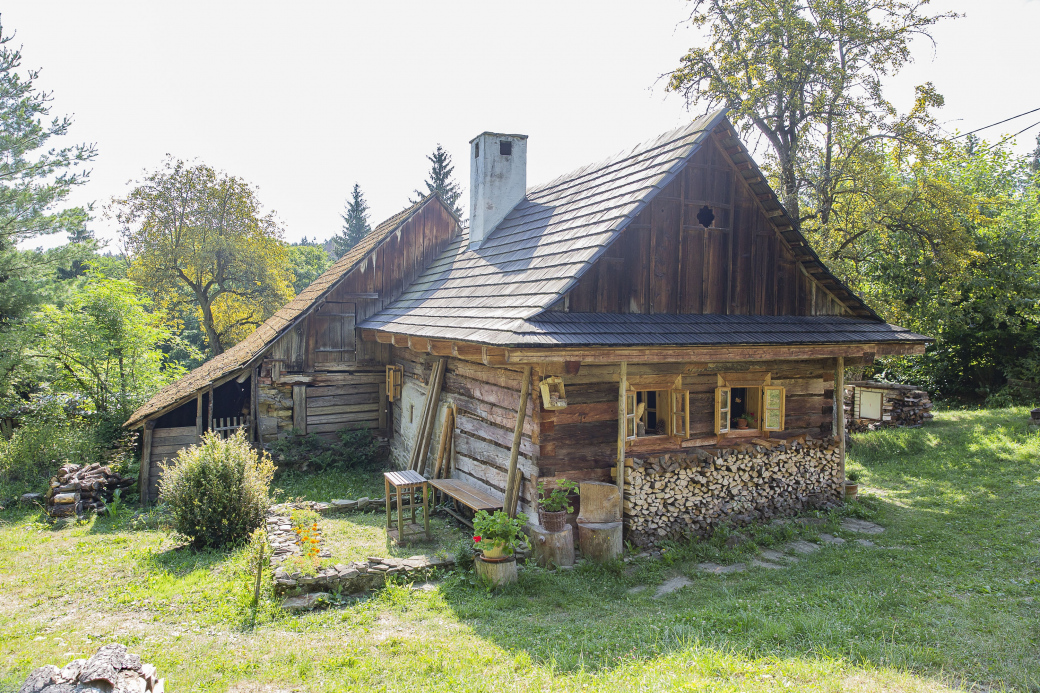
x=276 y=411
x=691 y=493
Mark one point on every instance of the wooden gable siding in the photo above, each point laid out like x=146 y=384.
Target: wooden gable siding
x=327 y=339
x=667 y=262
x=579 y=442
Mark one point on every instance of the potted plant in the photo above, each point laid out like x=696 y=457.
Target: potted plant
x=553 y=508
x=498 y=535
x=747 y=420
x=851 y=485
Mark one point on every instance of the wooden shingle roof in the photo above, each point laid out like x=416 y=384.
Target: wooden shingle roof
x=243 y=354
x=543 y=246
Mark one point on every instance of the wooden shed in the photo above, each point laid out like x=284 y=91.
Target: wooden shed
x=688 y=331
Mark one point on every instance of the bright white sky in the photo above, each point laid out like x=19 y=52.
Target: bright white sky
x=305 y=98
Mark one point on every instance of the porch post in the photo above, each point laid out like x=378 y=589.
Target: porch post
x=622 y=431
x=839 y=410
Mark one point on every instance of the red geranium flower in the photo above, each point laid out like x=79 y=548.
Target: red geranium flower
x=476 y=538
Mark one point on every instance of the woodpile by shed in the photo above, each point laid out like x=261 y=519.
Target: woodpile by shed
x=899 y=406
x=691 y=493
x=77 y=489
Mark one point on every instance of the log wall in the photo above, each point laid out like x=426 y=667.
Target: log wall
x=331 y=401
x=580 y=441
x=666 y=261
x=166 y=443
x=486 y=401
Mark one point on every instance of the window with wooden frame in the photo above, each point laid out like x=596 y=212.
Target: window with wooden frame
x=657 y=413
x=747 y=404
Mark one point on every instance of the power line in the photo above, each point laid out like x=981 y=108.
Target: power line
x=1011 y=136
x=999 y=122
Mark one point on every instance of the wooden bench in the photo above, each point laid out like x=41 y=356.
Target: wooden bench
x=467 y=495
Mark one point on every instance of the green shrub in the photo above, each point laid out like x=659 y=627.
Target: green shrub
x=217 y=491
x=312 y=453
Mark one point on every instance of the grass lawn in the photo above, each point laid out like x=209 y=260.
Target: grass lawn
x=946 y=600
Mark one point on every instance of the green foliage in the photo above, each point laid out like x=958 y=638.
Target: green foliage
x=200 y=243
x=217 y=491
x=105 y=346
x=441 y=182
x=307 y=262
x=354 y=449
x=499 y=529
x=40 y=446
x=355 y=223
x=557 y=498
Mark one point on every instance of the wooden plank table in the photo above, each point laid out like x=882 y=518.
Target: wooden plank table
x=468 y=495
x=403 y=483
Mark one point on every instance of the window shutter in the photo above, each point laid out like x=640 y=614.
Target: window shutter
x=630 y=415
x=773 y=408
x=722 y=409
x=679 y=421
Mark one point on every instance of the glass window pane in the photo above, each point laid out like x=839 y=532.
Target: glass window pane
x=772 y=418
x=724 y=399
x=773 y=398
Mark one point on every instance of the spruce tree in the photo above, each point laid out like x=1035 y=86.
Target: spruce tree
x=355 y=223
x=440 y=181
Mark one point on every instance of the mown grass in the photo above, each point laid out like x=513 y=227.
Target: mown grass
x=945 y=600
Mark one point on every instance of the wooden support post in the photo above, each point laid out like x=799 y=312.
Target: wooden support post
x=422 y=448
x=198 y=416
x=254 y=406
x=446 y=433
x=622 y=432
x=210 y=428
x=299 y=408
x=518 y=432
x=144 y=479
x=839 y=410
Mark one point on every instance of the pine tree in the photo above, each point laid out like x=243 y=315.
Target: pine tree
x=355 y=223
x=441 y=182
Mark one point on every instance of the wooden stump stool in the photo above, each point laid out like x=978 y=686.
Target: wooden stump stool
x=497 y=572
x=599 y=521
x=552 y=548
x=404 y=485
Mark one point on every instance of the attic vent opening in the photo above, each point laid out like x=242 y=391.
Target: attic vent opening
x=505 y=148
x=705 y=217
x=476 y=150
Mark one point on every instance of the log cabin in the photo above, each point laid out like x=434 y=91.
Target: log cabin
x=655 y=319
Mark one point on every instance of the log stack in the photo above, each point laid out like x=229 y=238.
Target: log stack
x=903 y=406
x=691 y=493
x=76 y=489
x=111 y=669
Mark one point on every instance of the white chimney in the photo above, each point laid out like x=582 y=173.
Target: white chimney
x=497 y=181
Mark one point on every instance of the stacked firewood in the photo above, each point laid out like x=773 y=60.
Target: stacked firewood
x=77 y=489
x=691 y=493
x=111 y=669
x=901 y=406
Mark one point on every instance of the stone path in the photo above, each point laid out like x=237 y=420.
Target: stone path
x=771 y=559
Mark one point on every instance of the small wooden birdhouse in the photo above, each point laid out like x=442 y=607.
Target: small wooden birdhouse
x=554 y=396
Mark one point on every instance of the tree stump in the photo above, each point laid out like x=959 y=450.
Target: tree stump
x=497 y=572
x=552 y=548
x=600 y=541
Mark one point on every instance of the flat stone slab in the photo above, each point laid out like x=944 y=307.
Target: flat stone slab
x=755 y=563
x=865 y=543
x=305 y=602
x=801 y=546
x=851 y=524
x=673 y=585
x=716 y=569
x=831 y=539
x=771 y=555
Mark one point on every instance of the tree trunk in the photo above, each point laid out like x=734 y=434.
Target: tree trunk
x=207 y=322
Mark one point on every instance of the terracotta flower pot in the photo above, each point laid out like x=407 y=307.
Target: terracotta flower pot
x=552 y=521
x=742 y=423
x=492 y=550
x=851 y=490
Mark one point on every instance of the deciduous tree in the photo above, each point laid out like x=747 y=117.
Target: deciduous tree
x=198 y=236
